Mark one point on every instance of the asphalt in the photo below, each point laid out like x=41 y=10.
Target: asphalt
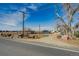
x=12 y=48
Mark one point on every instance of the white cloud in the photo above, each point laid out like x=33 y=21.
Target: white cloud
x=23 y=9
x=32 y=6
x=11 y=21
x=14 y=18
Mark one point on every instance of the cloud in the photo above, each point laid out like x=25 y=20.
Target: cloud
x=11 y=28
x=33 y=7
x=9 y=22
x=12 y=20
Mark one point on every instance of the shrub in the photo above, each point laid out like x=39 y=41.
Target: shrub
x=76 y=34
x=59 y=36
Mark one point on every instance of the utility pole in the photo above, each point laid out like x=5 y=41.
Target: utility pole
x=23 y=22
x=23 y=16
x=39 y=30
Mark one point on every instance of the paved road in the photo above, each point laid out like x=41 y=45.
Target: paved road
x=11 y=48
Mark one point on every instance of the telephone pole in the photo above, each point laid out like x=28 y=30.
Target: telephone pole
x=39 y=30
x=23 y=22
x=23 y=16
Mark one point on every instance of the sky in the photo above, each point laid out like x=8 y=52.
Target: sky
x=36 y=14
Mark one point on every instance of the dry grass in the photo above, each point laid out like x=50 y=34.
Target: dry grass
x=73 y=42
x=52 y=39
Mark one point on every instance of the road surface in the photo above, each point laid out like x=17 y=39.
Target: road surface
x=11 y=48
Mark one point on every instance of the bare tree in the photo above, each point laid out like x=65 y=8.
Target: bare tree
x=70 y=14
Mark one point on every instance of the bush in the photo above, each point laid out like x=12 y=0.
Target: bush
x=59 y=36
x=77 y=34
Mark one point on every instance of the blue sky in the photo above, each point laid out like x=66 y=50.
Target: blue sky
x=39 y=13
